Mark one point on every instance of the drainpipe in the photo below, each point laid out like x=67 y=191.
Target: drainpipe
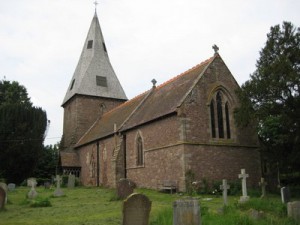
x=98 y=164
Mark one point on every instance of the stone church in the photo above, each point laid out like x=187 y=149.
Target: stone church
x=185 y=124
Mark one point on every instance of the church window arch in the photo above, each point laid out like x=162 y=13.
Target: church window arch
x=212 y=119
x=140 y=150
x=220 y=103
x=220 y=115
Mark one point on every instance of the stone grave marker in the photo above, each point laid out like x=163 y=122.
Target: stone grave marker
x=11 y=186
x=244 y=176
x=47 y=184
x=71 y=181
x=125 y=188
x=58 y=192
x=30 y=180
x=293 y=209
x=136 y=210
x=32 y=193
x=224 y=187
x=263 y=185
x=5 y=188
x=285 y=194
x=186 y=212
x=2 y=198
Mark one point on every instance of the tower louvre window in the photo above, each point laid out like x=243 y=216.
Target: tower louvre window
x=90 y=44
x=72 y=84
x=101 y=81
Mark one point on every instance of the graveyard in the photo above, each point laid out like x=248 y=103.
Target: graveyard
x=94 y=205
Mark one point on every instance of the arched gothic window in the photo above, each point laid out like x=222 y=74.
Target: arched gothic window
x=212 y=119
x=227 y=120
x=218 y=123
x=140 y=151
x=220 y=115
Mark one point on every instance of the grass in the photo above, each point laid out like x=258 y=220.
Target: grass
x=87 y=206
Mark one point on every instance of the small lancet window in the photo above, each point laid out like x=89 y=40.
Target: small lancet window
x=104 y=46
x=212 y=119
x=140 y=151
x=227 y=120
x=90 y=44
x=72 y=85
x=220 y=115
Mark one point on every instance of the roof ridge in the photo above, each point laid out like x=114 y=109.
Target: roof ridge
x=186 y=72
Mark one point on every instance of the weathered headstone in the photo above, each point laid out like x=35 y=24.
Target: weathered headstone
x=285 y=194
x=263 y=185
x=47 y=184
x=244 y=176
x=2 y=198
x=5 y=188
x=186 y=212
x=136 y=210
x=30 y=181
x=71 y=181
x=32 y=193
x=224 y=187
x=293 y=209
x=125 y=188
x=11 y=186
x=58 y=192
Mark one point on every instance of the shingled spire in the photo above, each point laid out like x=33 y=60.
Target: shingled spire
x=94 y=75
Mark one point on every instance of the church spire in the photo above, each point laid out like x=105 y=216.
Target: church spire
x=94 y=74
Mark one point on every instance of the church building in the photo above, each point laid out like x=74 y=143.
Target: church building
x=183 y=125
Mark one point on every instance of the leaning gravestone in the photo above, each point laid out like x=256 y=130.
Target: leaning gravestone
x=11 y=186
x=285 y=194
x=244 y=176
x=125 y=188
x=186 y=212
x=32 y=193
x=5 y=188
x=71 y=181
x=58 y=192
x=136 y=210
x=293 y=209
x=224 y=187
x=2 y=198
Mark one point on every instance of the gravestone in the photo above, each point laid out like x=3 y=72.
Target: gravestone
x=71 y=181
x=5 y=188
x=285 y=194
x=186 y=212
x=136 y=210
x=224 y=187
x=58 y=192
x=263 y=185
x=11 y=186
x=2 y=198
x=30 y=181
x=32 y=193
x=47 y=184
x=244 y=176
x=293 y=209
x=125 y=188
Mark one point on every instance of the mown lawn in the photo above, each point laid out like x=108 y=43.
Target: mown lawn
x=86 y=206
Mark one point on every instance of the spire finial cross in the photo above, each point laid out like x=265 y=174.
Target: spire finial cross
x=96 y=3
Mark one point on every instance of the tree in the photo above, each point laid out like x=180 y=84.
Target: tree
x=22 y=129
x=271 y=98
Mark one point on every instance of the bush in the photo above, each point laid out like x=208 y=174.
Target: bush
x=40 y=202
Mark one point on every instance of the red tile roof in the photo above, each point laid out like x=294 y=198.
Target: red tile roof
x=151 y=105
x=69 y=159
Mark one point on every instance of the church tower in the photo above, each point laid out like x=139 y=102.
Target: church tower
x=93 y=90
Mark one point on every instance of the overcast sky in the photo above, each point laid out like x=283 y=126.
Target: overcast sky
x=41 y=41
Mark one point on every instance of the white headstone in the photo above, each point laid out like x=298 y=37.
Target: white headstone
x=293 y=209
x=244 y=176
x=224 y=187
x=263 y=185
x=32 y=193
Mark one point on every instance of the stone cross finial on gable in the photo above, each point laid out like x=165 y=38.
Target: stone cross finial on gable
x=215 y=48
x=154 y=82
